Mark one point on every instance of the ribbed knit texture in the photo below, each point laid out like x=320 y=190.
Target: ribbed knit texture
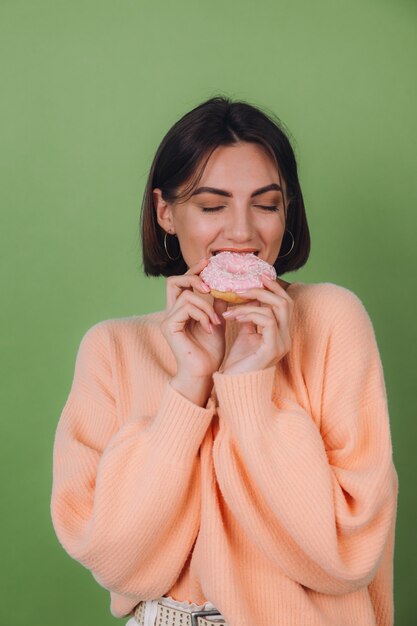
x=276 y=502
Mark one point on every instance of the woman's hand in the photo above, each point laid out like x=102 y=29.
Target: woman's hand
x=194 y=329
x=263 y=337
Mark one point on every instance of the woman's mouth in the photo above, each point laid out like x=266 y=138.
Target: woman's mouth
x=238 y=250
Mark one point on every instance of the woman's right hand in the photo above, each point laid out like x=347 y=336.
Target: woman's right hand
x=194 y=330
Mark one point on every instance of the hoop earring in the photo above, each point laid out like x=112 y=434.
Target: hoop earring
x=166 y=249
x=293 y=242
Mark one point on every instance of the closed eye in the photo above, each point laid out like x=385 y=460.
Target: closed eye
x=207 y=209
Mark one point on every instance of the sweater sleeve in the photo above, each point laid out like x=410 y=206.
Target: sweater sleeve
x=319 y=501
x=125 y=496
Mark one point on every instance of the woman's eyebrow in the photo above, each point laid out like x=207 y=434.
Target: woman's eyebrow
x=228 y=194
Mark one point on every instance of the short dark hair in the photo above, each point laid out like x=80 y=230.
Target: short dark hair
x=182 y=156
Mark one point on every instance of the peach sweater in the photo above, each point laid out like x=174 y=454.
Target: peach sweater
x=276 y=502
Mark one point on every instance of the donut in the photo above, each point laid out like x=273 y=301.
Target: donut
x=228 y=271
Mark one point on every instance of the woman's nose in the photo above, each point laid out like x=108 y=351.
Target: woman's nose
x=240 y=225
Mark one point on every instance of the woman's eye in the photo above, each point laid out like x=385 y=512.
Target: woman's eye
x=207 y=209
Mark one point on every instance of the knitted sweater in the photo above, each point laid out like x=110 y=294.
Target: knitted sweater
x=276 y=501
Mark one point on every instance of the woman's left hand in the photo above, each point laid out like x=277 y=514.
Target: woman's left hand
x=264 y=336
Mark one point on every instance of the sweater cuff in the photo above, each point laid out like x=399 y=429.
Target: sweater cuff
x=245 y=400
x=179 y=426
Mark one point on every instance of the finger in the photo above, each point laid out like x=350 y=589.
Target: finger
x=177 y=284
x=262 y=293
x=274 y=286
x=178 y=318
x=199 y=302
x=247 y=328
x=275 y=336
x=265 y=325
x=277 y=299
x=195 y=270
x=257 y=318
x=282 y=315
x=275 y=333
x=220 y=307
x=243 y=309
x=261 y=296
x=284 y=310
x=254 y=319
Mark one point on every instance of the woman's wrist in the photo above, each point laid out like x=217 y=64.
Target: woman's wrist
x=197 y=390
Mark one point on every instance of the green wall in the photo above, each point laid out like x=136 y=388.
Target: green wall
x=89 y=88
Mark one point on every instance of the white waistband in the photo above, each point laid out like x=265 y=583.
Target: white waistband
x=186 y=606
x=151 y=608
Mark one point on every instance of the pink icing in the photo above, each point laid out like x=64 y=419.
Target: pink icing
x=228 y=271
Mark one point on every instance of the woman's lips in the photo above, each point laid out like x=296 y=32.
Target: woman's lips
x=238 y=250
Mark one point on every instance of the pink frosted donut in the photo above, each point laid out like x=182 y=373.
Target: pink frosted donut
x=227 y=272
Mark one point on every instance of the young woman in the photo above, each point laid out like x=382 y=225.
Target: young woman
x=219 y=464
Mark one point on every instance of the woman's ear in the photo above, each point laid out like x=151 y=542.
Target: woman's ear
x=163 y=211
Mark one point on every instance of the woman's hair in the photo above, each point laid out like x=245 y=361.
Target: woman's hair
x=181 y=158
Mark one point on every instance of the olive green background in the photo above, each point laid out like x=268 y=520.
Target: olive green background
x=88 y=90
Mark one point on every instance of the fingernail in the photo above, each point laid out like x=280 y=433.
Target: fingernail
x=241 y=292
x=217 y=318
x=228 y=313
x=205 y=288
x=264 y=277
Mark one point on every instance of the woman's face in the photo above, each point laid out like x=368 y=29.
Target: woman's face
x=238 y=205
